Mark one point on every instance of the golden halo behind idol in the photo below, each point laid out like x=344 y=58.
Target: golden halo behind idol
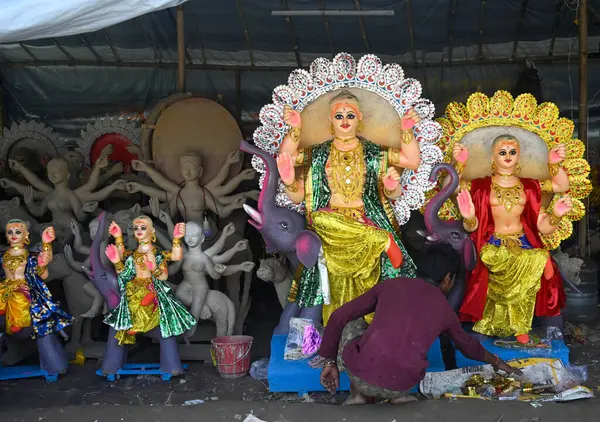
x=476 y=123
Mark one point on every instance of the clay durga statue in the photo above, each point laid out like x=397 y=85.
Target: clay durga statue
x=192 y=199
x=516 y=208
x=63 y=202
x=354 y=146
x=147 y=301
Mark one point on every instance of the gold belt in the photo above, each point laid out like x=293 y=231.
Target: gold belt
x=357 y=213
x=9 y=285
x=510 y=241
x=142 y=281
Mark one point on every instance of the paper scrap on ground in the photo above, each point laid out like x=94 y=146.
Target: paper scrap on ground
x=535 y=371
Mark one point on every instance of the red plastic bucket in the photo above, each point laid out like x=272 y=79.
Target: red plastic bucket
x=231 y=355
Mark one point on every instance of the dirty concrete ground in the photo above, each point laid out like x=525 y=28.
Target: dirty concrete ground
x=82 y=396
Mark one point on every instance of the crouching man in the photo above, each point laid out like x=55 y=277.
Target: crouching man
x=389 y=357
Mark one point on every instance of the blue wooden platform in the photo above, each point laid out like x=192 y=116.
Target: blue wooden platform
x=20 y=372
x=299 y=377
x=138 y=369
x=558 y=351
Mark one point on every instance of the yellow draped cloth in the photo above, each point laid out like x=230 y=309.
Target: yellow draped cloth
x=514 y=279
x=14 y=303
x=352 y=252
x=143 y=318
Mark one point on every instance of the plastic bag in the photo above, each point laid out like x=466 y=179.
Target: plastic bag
x=304 y=339
x=259 y=370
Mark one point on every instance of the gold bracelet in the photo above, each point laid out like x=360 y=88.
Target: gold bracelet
x=119 y=242
x=554 y=219
x=300 y=157
x=554 y=169
x=460 y=168
x=294 y=134
x=546 y=186
x=157 y=272
x=41 y=270
x=177 y=243
x=393 y=156
x=406 y=137
x=46 y=247
x=119 y=266
x=471 y=223
x=388 y=192
x=292 y=187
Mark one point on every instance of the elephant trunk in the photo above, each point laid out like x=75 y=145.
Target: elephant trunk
x=269 y=190
x=432 y=220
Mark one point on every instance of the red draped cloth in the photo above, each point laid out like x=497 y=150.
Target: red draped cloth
x=551 y=296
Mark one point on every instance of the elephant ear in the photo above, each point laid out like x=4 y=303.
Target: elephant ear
x=308 y=246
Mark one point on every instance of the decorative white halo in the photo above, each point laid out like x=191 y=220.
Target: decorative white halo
x=369 y=74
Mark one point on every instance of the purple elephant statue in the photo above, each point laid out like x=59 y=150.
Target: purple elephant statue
x=451 y=232
x=105 y=280
x=283 y=231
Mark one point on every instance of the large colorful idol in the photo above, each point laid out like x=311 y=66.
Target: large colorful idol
x=26 y=305
x=516 y=209
x=146 y=300
x=350 y=159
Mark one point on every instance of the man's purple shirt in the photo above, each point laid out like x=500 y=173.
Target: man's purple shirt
x=410 y=314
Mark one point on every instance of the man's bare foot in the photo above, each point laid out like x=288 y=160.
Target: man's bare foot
x=404 y=399
x=355 y=399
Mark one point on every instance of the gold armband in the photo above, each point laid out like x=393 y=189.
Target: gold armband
x=546 y=186
x=554 y=168
x=41 y=270
x=460 y=168
x=119 y=266
x=554 y=219
x=465 y=185
x=294 y=134
x=292 y=187
x=177 y=243
x=406 y=137
x=46 y=247
x=394 y=156
x=471 y=223
x=119 y=242
x=300 y=157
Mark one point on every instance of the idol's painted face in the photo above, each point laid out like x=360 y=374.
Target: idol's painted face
x=345 y=121
x=506 y=155
x=142 y=230
x=16 y=233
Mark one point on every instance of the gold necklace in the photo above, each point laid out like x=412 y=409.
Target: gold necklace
x=13 y=262
x=345 y=141
x=508 y=196
x=140 y=258
x=504 y=176
x=347 y=177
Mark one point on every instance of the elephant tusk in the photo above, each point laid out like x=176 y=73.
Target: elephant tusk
x=255 y=215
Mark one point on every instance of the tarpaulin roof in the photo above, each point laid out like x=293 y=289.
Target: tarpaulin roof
x=237 y=50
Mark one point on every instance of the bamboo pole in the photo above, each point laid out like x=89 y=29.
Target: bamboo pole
x=2 y=121
x=180 y=50
x=583 y=110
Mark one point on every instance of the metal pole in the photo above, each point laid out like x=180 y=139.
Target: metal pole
x=180 y=50
x=583 y=110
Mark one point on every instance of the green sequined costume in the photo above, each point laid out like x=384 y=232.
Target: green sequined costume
x=307 y=289
x=175 y=319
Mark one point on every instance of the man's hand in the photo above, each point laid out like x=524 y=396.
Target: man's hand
x=507 y=368
x=330 y=378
